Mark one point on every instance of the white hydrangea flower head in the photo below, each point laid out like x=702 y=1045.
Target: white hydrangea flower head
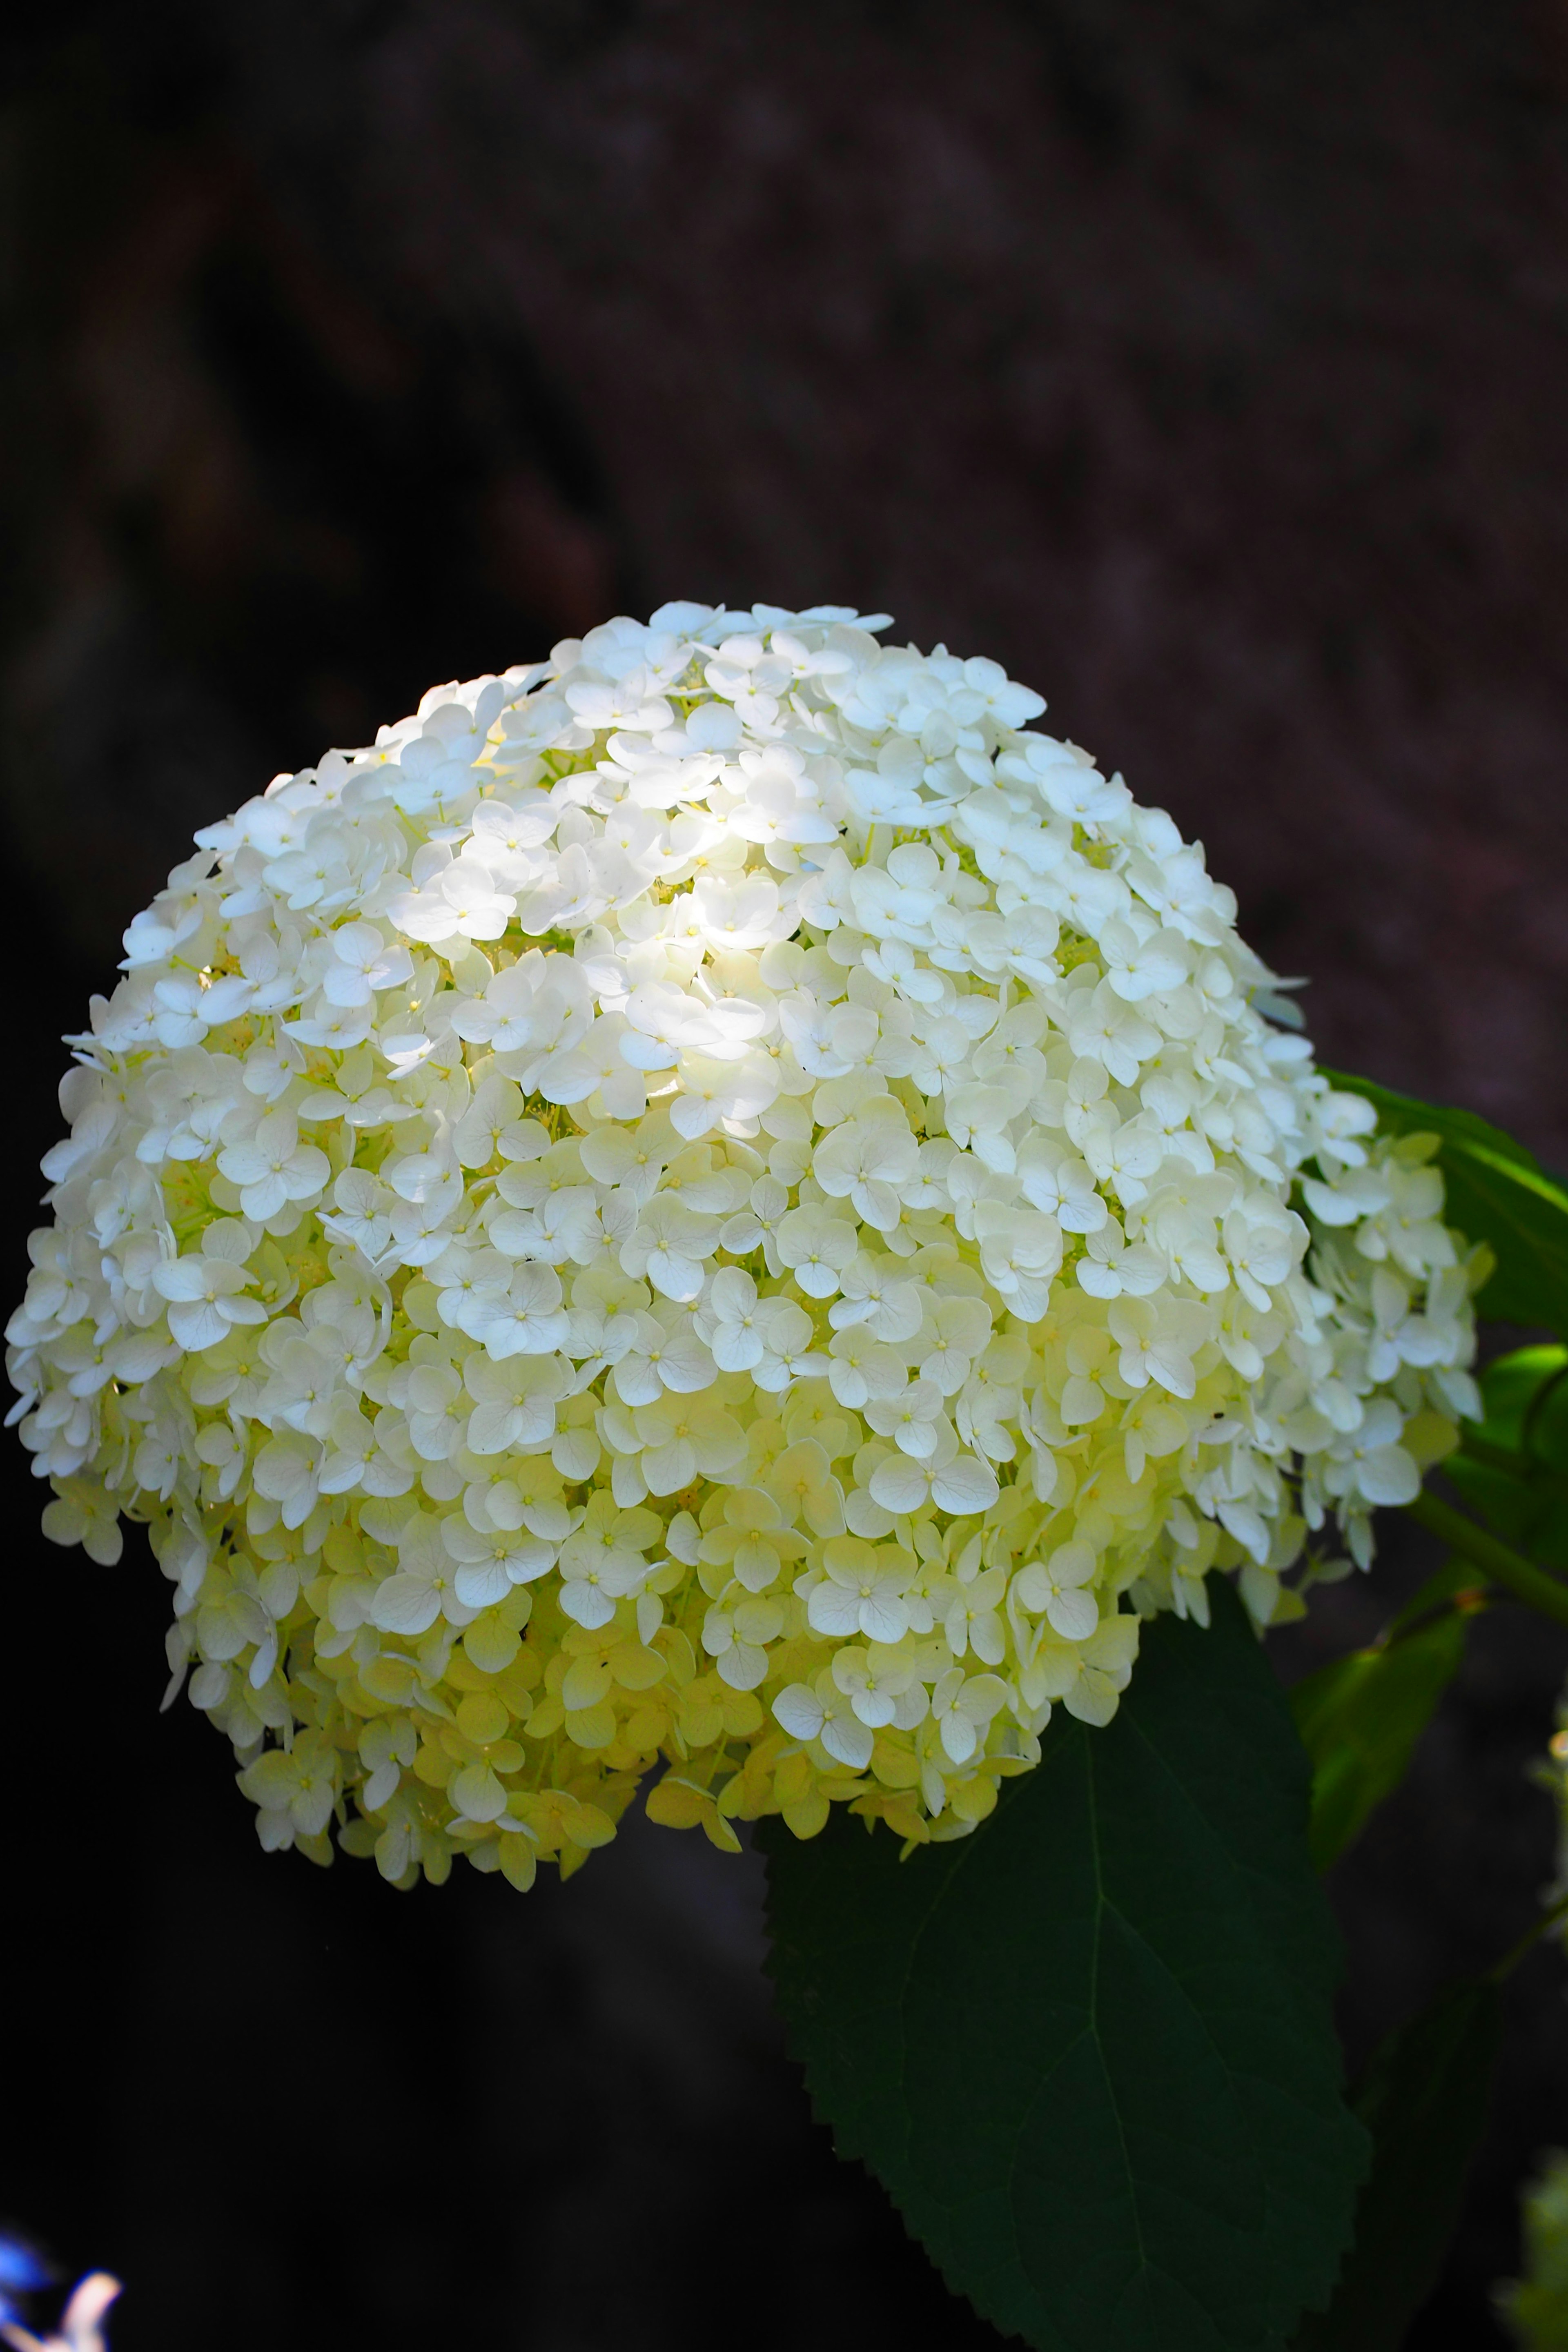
x=719 y=1198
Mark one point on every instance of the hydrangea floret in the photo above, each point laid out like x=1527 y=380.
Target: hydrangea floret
x=720 y=1198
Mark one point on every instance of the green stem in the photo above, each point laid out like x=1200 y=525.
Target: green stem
x=1502 y=1564
x=1496 y=1457
x=1528 y=1941
x=1429 y=1606
x=1512 y=1464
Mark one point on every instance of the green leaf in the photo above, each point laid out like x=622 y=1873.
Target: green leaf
x=1498 y=1192
x=1360 y=1719
x=1535 y=2307
x=1531 y=1513
x=1513 y=1466
x=1526 y=1406
x=1088 y=2050
x=1423 y=2099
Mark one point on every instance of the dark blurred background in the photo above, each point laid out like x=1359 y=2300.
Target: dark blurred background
x=1207 y=364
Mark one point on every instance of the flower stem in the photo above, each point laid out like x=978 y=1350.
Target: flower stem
x=1500 y=1561
x=1528 y=1941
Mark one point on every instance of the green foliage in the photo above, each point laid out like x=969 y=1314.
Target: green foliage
x=1536 y=2306
x=1088 y=2050
x=1497 y=1192
x=1514 y=1466
x=1361 y=1718
x=1526 y=1399
x=1423 y=2100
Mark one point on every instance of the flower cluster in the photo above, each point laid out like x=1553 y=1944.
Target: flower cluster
x=718 y=1198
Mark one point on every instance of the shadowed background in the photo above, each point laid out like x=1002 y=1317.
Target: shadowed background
x=1206 y=365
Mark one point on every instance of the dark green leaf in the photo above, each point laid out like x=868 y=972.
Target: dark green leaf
x=1529 y=1514
x=1423 y=2099
x=1360 y=1719
x=1498 y=1192
x=1546 y=1417
x=1514 y=1466
x=1523 y=1397
x=1088 y=2050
